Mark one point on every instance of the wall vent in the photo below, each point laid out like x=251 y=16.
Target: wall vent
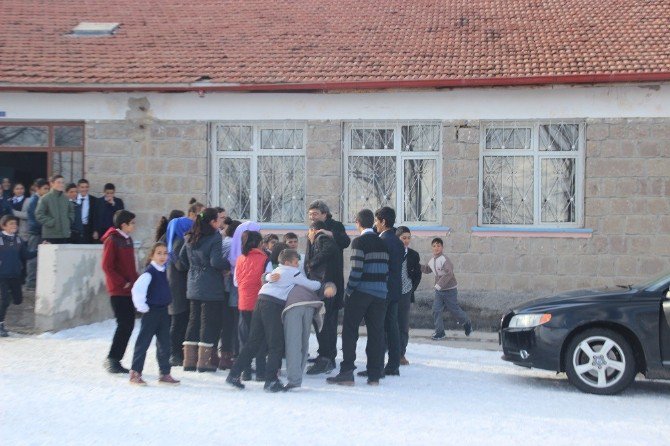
x=88 y=29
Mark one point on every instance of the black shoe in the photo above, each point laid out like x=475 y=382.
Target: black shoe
x=234 y=381
x=373 y=382
x=312 y=360
x=176 y=361
x=342 y=378
x=391 y=372
x=114 y=366
x=274 y=386
x=322 y=365
x=246 y=376
x=259 y=378
x=290 y=386
x=3 y=332
x=438 y=336
x=467 y=328
x=364 y=374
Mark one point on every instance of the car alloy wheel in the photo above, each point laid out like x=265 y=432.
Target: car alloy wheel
x=600 y=361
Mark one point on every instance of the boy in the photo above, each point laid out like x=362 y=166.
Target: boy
x=446 y=292
x=366 y=299
x=88 y=209
x=77 y=229
x=107 y=206
x=55 y=212
x=266 y=322
x=118 y=263
x=13 y=252
x=410 y=279
x=291 y=240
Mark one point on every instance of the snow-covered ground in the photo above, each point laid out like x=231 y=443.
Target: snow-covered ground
x=53 y=390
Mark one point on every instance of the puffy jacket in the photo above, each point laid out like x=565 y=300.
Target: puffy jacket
x=13 y=253
x=56 y=214
x=249 y=270
x=118 y=262
x=205 y=263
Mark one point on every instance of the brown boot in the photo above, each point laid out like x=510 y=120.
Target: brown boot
x=214 y=361
x=190 y=356
x=168 y=379
x=404 y=361
x=204 y=358
x=226 y=361
x=136 y=378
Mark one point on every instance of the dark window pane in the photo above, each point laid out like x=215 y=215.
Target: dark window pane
x=69 y=136
x=19 y=136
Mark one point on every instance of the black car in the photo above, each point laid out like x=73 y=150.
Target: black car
x=601 y=338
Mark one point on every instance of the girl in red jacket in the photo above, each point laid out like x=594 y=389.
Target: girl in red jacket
x=249 y=270
x=118 y=263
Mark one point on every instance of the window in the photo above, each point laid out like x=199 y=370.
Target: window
x=532 y=174
x=259 y=171
x=396 y=165
x=62 y=142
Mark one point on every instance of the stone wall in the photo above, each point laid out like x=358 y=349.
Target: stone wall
x=156 y=166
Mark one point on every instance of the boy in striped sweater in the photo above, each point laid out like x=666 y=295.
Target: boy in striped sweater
x=365 y=298
x=446 y=291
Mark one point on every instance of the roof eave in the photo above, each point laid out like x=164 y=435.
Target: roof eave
x=341 y=86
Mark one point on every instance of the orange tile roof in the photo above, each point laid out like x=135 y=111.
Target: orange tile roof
x=317 y=43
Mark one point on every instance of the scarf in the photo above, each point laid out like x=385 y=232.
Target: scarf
x=236 y=242
x=176 y=229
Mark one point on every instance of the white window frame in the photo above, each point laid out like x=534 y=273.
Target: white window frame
x=253 y=155
x=400 y=157
x=534 y=151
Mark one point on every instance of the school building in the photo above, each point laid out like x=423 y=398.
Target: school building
x=534 y=137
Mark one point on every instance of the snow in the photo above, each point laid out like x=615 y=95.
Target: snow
x=53 y=390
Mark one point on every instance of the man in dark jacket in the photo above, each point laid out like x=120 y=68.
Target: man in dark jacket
x=89 y=209
x=327 y=337
x=384 y=221
x=410 y=278
x=106 y=207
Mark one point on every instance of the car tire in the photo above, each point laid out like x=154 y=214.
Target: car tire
x=605 y=373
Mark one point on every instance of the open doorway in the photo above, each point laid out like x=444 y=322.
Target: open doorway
x=23 y=167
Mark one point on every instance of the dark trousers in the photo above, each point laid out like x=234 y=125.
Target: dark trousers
x=124 y=312
x=358 y=307
x=266 y=330
x=229 y=329
x=392 y=334
x=10 y=291
x=156 y=322
x=245 y=318
x=57 y=241
x=178 y=326
x=204 y=323
x=327 y=337
x=403 y=320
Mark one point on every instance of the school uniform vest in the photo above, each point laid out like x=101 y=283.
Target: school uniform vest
x=158 y=293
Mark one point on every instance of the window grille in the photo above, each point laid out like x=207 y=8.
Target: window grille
x=532 y=174
x=393 y=164
x=259 y=171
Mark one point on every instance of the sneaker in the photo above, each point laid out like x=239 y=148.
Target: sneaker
x=323 y=365
x=342 y=378
x=290 y=386
x=234 y=381
x=3 y=332
x=467 y=328
x=404 y=361
x=438 y=336
x=136 y=378
x=168 y=379
x=274 y=386
x=114 y=366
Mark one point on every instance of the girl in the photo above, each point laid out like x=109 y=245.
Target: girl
x=203 y=258
x=151 y=297
x=13 y=252
x=161 y=228
x=249 y=269
x=177 y=278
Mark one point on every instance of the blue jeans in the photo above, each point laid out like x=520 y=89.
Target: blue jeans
x=447 y=299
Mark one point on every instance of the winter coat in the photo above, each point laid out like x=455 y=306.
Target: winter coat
x=34 y=227
x=205 y=264
x=56 y=214
x=104 y=213
x=443 y=270
x=118 y=262
x=396 y=252
x=323 y=259
x=343 y=241
x=413 y=269
x=248 y=272
x=13 y=254
x=177 y=275
x=301 y=296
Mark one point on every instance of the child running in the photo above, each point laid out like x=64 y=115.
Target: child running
x=151 y=297
x=13 y=252
x=446 y=293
